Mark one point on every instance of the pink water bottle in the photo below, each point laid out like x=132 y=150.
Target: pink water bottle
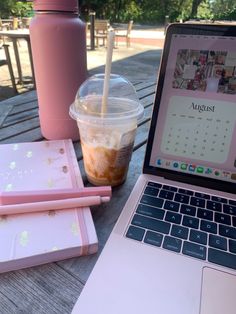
x=58 y=40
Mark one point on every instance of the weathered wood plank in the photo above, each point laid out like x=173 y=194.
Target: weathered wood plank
x=18 y=128
x=19 y=117
x=38 y=290
x=20 y=99
x=4 y=112
x=25 y=107
x=31 y=135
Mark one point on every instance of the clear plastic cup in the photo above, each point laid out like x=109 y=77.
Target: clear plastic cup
x=107 y=138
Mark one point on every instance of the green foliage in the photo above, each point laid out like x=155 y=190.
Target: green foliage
x=21 y=9
x=132 y=11
x=14 y=8
x=141 y=11
x=204 y=11
x=5 y=8
x=224 y=9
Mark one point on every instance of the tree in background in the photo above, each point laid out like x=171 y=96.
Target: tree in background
x=14 y=8
x=5 y=8
x=224 y=9
x=195 y=5
x=141 y=11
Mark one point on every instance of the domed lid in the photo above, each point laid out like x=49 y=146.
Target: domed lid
x=122 y=103
x=56 y=5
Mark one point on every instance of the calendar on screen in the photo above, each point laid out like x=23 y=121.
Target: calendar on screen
x=199 y=129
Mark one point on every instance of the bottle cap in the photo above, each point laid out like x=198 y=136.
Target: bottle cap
x=56 y=5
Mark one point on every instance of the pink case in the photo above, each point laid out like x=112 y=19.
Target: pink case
x=29 y=239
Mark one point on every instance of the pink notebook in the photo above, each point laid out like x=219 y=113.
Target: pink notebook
x=33 y=239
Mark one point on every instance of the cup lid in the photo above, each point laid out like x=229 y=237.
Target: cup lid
x=56 y=5
x=122 y=105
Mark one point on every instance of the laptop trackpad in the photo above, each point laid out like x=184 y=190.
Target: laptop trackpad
x=218 y=292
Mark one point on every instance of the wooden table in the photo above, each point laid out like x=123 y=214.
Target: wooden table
x=14 y=36
x=54 y=288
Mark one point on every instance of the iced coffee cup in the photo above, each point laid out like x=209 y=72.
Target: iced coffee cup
x=107 y=138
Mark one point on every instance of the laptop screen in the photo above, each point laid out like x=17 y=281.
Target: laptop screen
x=195 y=133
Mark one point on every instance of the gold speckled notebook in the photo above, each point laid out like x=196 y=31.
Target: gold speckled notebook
x=36 y=238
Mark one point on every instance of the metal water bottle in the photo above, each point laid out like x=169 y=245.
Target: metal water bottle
x=58 y=41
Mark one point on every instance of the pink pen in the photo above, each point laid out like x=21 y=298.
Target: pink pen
x=53 y=205
x=18 y=197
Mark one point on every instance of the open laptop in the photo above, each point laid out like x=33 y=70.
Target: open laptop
x=173 y=249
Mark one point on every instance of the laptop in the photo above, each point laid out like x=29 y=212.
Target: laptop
x=173 y=249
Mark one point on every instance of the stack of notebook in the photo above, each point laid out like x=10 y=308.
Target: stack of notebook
x=35 y=238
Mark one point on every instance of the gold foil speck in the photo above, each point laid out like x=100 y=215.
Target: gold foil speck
x=12 y=165
x=65 y=169
x=29 y=154
x=8 y=187
x=3 y=219
x=49 y=161
x=74 y=229
x=52 y=213
x=24 y=238
x=15 y=147
x=50 y=183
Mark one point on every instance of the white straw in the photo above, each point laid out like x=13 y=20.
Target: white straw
x=110 y=45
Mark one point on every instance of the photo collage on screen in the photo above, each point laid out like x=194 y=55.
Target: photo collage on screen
x=206 y=71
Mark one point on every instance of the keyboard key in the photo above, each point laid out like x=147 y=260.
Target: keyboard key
x=219 y=199
x=170 y=205
x=187 y=192
x=222 y=218
x=208 y=226
x=202 y=195
x=150 y=223
x=135 y=233
x=205 y=214
x=222 y=258
x=229 y=209
x=151 y=191
x=190 y=222
x=232 y=246
x=150 y=211
x=170 y=188
x=214 y=206
x=194 y=250
x=153 y=238
x=166 y=194
x=153 y=201
x=231 y=202
x=179 y=232
x=154 y=184
x=198 y=237
x=197 y=201
x=173 y=217
x=172 y=244
x=218 y=242
x=188 y=210
x=181 y=198
x=227 y=231
x=234 y=221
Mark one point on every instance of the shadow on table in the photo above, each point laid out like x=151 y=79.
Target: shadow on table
x=140 y=67
x=6 y=92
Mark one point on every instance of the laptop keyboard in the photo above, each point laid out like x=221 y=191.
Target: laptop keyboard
x=196 y=224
